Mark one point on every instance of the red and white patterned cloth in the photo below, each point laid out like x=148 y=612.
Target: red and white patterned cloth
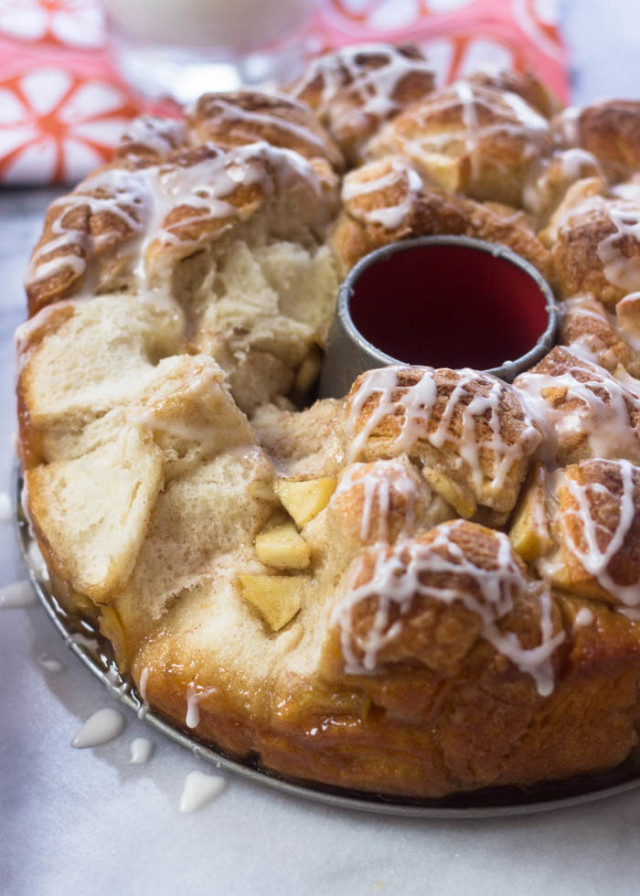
x=63 y=105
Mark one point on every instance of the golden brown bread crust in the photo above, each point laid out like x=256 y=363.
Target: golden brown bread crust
x=610 y=130
x=235 y=119
x=354 y=90
x=469 y=138
x=525 y=85
x=590 y=543
x=588 y=330
x=167 y=211
x=386 y=200
x=94 y=222
x=151 y=138
x=471 y=431
x=451 y=713
x=424 y=654
x=588 y=412
x=596 y=245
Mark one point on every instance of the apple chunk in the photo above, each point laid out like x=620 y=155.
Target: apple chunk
x=277 y=598
x=283 y=548
x=529 y=533
x=304 y=500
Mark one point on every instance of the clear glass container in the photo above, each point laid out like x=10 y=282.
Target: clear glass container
x=181 y=48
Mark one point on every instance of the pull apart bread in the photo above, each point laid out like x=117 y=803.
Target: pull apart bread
x=429 y=586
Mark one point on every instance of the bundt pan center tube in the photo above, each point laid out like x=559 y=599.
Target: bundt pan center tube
x=441 y=301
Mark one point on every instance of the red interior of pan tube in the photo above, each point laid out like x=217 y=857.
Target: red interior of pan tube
x=448 y=306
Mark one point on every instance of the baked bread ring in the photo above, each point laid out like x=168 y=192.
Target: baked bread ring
x=428 y=586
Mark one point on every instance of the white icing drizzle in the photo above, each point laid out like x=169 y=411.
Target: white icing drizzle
x=506 y=114
x=378 y=484
x=115 y=679
x=374 y=88
x=633 y=615
x=619 y=269
x=555 y=173
x=207 y=378
x=160 y=135
x=205 y=186
x=398 y=577
x=475 y=394
x=225 y=111
x=464 y=94
x=37 y=561
x=390 y=216
x=574 y=161
x=143 y=198
x=567 y=125
x=601 y=411
x=103 y=726
x=144 y=678
x=141 y=750
x=584 y=616
x=19 y=594
x=199 y=790
x=591 y=344
x=194 y=695
x=125 y=194
x=597 y=546
x=628 y=319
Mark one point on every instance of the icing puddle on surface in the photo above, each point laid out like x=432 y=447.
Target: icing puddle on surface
x=20 y=594
x=49 y=664
x=103 y=726
x=199 y=790
x=108 y=723
x=6 y=511
x=141 y=751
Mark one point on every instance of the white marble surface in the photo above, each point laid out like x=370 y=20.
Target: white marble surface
x=88 y=821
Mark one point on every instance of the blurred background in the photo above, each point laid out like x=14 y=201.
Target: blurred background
x=73 y=72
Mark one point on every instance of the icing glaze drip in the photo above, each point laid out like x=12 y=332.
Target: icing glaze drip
x=593 y=339
x=199 y=790
x=141 y=201
x=123 y=194
x=229 y=113
x=373 y=88
x=620 y=269
x=5 y=508
x=403 y=572
x=484 y=113
x=157 y=135
x=19 y=594
x=584 y=616
x=592 y=403
x=378 y=485
x=141 y=751
x=401 y=177
x=474 y=395
x=194 y=696
x=49 y=664
x=103 y=726
x=592 y=543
